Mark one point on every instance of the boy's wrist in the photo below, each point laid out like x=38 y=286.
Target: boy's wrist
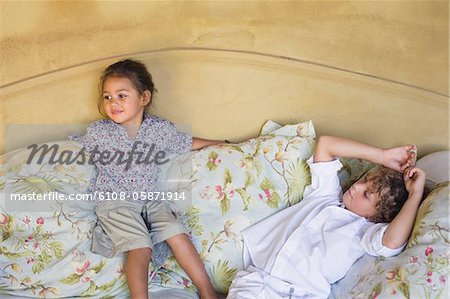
x=381 y=157
x=415 y=195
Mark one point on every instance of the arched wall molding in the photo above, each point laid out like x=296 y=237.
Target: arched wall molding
x=229 y=94
x=224 y=50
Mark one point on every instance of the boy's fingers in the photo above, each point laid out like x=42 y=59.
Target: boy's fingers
x=404 y=166
x=412 y=154
x=415 y=170
x=409 y=172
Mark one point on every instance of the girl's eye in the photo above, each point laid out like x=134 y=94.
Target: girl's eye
x=107 y=98
x=123 y=96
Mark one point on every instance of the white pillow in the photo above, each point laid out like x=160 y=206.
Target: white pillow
x=436 y=166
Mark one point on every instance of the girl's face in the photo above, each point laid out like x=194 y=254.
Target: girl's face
x=360 y=200
x=122 y=101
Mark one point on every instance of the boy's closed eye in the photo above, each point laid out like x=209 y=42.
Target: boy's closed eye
x=366 y=194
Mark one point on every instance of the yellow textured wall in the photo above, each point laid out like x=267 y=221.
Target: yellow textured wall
x=231 y=92
x=405 y=41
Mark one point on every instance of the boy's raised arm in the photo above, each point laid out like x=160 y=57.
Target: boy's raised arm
x=397 y=158
x=399 y=230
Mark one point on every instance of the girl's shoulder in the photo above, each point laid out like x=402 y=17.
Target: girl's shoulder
x=100 y=126
x=159 y=121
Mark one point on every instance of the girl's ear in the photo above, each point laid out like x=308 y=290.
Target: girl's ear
x=146 y=98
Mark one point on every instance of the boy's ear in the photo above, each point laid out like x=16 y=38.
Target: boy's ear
x=147 y=97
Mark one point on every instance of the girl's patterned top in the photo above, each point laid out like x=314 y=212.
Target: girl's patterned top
x=127 y=167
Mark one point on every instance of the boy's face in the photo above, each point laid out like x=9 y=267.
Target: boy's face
x=359 y=200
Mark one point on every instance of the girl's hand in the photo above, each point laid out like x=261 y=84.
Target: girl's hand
x=414 y=178
x=400 y=158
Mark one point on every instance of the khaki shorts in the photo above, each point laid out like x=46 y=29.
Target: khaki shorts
x=123 y=226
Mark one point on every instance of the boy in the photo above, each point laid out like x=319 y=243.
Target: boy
x=300 y=251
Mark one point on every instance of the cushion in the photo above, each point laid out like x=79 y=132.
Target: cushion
x=233 y=186
x=225 y=188
x=353 y=169
x=436 y=166
x=420 y=271
x=45 y=249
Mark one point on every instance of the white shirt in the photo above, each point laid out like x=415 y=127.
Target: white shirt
x=300 y=251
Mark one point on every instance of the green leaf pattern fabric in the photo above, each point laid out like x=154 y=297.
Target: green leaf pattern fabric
x=236 y=185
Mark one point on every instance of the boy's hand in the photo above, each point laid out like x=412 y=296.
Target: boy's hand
x=414 y=178
x=400 y=158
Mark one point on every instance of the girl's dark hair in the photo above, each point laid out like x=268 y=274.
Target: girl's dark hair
x=135 y=71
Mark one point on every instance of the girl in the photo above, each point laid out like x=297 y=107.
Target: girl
x=116 y=146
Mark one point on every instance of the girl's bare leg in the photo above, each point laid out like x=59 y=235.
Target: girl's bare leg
x=188 y=258
x=136 y=271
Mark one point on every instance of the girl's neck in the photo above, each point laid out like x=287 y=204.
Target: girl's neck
x=132 y=129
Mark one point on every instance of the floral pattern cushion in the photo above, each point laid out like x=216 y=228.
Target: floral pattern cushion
x=420 y=271
x=236 y=185
x=47 y=253
x=353 y=169
x=233 y=186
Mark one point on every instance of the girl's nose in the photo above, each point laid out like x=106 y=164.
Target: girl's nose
x=114 y=100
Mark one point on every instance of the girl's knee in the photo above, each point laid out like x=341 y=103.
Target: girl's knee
x=181 y=237
x=145 y=252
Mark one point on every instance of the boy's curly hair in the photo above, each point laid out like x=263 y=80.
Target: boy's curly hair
x=390 y=187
